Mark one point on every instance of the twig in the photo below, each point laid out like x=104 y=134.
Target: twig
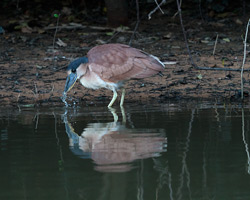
x=52 y=90
x=159 y=7
x=54 y=39
x=113 y=36
x=200 y=10
x=35 y=89
x=37 y=119
x=216 y=40
x=177 y=11
x=244 y=60
x=156 y=8
x=185 y=35
x=137 y=21
x=18 y=97
x=244 y=7
x=36 y=92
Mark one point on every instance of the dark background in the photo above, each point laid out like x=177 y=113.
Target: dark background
x=111 y=12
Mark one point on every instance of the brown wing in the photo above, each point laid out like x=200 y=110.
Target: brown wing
x=117 y=62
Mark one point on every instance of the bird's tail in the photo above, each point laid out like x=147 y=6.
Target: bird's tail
x=151 y=66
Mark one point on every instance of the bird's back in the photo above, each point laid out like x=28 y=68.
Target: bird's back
x=118 y=62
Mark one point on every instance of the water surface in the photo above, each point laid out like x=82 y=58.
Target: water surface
x=143 y=152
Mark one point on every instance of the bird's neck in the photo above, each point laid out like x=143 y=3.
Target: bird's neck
x=82 y=70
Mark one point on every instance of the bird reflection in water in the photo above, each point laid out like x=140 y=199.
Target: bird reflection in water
x=113 y=147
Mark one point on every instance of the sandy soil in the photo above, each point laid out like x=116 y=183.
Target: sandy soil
x=32 y=73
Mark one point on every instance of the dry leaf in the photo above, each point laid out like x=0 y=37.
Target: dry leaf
x=199 y=76
x=168 y=36
x=26 y=29
x=99 y=41
x=226 y=39
x=238 y=21
x=61 y=43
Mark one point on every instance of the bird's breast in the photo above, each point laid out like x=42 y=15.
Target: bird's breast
x=93 y=81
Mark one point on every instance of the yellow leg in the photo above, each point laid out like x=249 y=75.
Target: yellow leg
x=122 y=98
x=113 y=99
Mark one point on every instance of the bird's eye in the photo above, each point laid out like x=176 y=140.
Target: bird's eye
x=73 y=70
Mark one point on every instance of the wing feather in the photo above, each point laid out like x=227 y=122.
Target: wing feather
x=118 y=62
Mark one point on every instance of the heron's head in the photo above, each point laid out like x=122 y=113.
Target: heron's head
x=74 y=72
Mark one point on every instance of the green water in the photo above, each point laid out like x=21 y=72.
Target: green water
x=142 y=153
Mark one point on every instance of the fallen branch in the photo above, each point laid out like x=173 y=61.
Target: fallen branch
x=64 y=27
x=220 y=69
x=79 y=26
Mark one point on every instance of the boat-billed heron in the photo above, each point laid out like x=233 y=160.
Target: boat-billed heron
x=109 y=66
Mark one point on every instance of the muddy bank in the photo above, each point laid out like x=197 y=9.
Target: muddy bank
x=32 y=71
